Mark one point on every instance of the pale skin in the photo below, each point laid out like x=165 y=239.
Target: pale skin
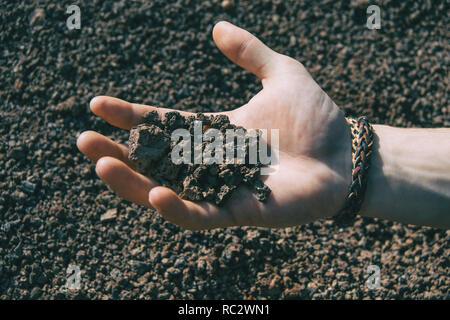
x=409 y=180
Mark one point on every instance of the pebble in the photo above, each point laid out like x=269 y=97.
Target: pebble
x=35 y=293
x=109 y=215
x=28 y=186
x=227 y=4
x=37 y=16
x=140 y=267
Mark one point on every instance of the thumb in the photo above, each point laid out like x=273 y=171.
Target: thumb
x=247 y=51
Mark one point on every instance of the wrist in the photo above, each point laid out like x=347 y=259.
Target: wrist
x=382 y=173
x=409 y=180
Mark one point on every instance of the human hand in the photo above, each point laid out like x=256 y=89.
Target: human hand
x=314 y=146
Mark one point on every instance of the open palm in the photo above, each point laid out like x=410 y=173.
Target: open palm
x=314 y=158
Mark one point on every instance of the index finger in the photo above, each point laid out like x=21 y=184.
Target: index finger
x=123 y=114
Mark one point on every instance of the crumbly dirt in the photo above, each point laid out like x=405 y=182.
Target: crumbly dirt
x=161 y=53
x=151 y=147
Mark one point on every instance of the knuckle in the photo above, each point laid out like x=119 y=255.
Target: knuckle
x=292 y=63
x=243 y=47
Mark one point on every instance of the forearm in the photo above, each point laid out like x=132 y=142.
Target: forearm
x=409 y=179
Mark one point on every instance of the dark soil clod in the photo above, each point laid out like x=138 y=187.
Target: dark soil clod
x=150 y=148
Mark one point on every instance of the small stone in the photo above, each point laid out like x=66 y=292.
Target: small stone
x=111 y=214
x=180 y=263
x=140 y=267
x=293 y=293
x=284 y=271
x=35 y=293
x=28 y=186
x=136 y=251
x=81 y=255
x=227 y=4
x=68 y=106
x=173 y=272
x=292 y=41
x=37 y=16
x=17 y=153
x=27 y=219
x=231 y=253
x=275 y=285
x=18 y=195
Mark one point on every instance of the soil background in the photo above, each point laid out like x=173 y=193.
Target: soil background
x=161 y=53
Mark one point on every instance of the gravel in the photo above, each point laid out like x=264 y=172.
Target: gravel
x=161 y=53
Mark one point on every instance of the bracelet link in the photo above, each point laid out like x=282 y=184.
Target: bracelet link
x=362 y=143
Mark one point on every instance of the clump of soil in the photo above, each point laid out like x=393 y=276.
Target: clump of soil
x=151 y=146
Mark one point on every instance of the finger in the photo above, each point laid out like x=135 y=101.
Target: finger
x=244 y=49
x=189 y=215
x=95 y=146
x=127 y=183
x=124 y=114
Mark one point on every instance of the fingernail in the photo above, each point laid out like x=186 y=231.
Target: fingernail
x=93 y=100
